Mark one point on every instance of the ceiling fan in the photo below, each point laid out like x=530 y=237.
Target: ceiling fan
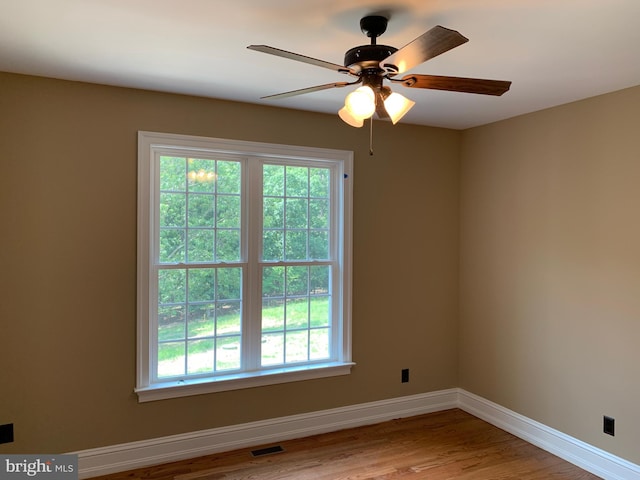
x=372 y=64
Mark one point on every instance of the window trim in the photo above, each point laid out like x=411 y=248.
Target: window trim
x=148 y=143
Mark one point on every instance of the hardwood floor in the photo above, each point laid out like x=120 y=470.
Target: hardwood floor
x=438 y=446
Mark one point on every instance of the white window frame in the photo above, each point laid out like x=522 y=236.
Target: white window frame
x=149 y=145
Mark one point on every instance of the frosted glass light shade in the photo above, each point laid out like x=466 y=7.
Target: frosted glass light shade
x=397 y=106
x=361 y=102
x=349 y=118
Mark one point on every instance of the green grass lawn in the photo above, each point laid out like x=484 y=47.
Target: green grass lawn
x=200 y=333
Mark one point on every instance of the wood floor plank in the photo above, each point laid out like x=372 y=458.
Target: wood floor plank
x=439 y=446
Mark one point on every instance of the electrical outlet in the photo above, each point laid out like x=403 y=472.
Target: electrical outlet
x=6 y=433
x=405 y=375
x=609 y=426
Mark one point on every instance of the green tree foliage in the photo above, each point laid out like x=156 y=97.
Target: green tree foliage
x=200 y=222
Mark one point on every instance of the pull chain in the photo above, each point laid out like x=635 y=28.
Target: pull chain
x=371 y=136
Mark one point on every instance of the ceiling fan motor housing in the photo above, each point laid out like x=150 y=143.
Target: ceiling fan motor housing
x=367 y=57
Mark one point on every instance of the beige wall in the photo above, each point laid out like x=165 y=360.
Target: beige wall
x=550 y=267
x=548 y=282
x=68 y=262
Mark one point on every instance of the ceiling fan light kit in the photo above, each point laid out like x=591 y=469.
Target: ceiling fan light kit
x=372 y=64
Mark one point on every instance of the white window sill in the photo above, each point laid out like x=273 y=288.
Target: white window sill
x=184 y=388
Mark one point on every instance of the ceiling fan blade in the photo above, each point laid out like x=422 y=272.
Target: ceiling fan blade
x=300 y=58
x=457 y=84
x=302 y=91
x=428 y=45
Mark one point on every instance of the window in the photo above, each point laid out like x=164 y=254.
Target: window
x=244 y=270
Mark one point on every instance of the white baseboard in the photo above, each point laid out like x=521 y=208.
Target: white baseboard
x=127 y=456
x=585 y=456
x=118 y=458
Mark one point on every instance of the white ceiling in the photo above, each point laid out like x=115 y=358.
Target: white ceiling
x=554 y=51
